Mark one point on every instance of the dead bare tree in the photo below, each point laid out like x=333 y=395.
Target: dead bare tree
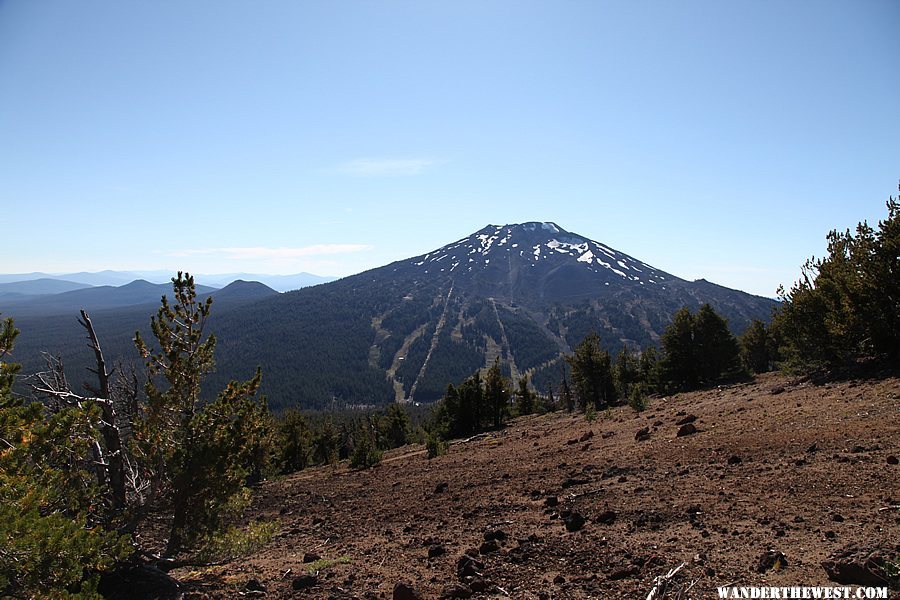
x=112 y=466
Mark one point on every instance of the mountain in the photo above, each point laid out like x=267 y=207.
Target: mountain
x=91 y=298
x=53 y=327
x=524 y=292
x=38 y=287
x=281 y=283
x=242 y=291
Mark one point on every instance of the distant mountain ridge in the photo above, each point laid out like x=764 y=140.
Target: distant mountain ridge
x=281 y=283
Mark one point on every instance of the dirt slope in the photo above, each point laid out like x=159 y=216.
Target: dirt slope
x=774 y=465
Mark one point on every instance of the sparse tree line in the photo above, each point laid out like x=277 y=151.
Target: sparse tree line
x=81 y=471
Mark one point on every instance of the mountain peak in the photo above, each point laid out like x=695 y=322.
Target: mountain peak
x=532 y=249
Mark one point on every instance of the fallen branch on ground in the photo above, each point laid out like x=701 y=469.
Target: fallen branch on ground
x=661 y=583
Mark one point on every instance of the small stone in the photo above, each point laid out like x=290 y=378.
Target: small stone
x=813 y=448
x=311 y=557
x=607 y=517
x=253 y=585
x=771 y=560
x=586 y=436
x=495 y=534
x=456 y=590
x=303 y=582
x=573 y=481
x=624 y=573
x=892 y=460
x=404 y=591
x=859 y=566
x=734 y=459
x=436 y=550
x=687 y=429
x=467 y=566
x=441 y=487
x=479 y=584
x=559 y=579
x=574 y=521
x=642 y=434
x=489 y=546
x=551 y=501
x=686 y=420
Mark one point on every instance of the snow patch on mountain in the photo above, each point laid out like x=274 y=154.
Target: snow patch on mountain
x=556 y=242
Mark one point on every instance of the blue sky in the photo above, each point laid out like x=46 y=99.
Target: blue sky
x=710 y=139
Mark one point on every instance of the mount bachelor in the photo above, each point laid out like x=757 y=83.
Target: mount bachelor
x=526 y=293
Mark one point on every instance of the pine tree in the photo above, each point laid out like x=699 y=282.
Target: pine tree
x=699 y=349
x=592 y=374
x=496 y=394
x=524 y=397
x=395 y=426
x=626 y=372
x=649 y=370
x=756 y=347
x=565 y=393
x=846 y=306
x=199 y=454
x=295 y=441
x=679 y=365
x=50 y=544
x=716 y=349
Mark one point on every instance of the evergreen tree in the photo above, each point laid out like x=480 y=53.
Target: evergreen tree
x=395 y=426
x=365 y=452
x=50 y=544
x=699 y=349
x=626 y=372
x=524 y=397
x=496 y=394
x=756 y=347
x=295 y=441
x=649 y=370
x=565 y=393
x=473 y=412
x=550 y=404
x=846 y=306
x=199 y=455
x=717 y=351
x=592 y=374
x=325 y=443
x=679 y=366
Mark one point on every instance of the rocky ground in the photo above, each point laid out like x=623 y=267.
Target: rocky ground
x=776 y=476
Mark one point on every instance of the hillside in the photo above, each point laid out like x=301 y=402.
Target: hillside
x=777 y=465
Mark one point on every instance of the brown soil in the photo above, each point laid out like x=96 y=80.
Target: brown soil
x=649 y=505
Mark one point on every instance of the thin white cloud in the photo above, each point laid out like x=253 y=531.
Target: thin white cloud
x=386 y=167
x=261 y=252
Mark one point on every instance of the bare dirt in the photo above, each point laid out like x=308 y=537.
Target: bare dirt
x=775 y=465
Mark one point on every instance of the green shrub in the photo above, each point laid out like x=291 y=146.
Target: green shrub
x=637 y=398
x=365 y=454
x=435 y=445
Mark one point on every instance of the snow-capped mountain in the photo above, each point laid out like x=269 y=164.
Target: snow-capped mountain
x=538 y=245
x=523 y=292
